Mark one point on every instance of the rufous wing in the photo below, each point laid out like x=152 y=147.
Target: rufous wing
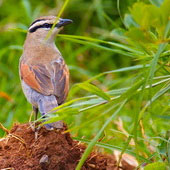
x=47 y=81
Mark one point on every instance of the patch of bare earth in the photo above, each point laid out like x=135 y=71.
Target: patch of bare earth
x=53 y=150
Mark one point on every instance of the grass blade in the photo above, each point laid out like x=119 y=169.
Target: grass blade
x=93 y=89
x=112 y=147
x=93 y=142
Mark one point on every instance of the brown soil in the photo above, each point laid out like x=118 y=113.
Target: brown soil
x=53 y=150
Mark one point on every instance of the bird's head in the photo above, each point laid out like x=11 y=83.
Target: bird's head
x=40 y=28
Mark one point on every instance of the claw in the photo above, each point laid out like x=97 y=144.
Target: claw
x=32 y=126
x=36 y=132
x=34 y=129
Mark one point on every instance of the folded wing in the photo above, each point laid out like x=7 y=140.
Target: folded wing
x=53 y=80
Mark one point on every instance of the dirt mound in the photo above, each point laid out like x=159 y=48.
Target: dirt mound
x=53 y=150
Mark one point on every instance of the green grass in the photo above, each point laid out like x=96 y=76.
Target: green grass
x=118 y=55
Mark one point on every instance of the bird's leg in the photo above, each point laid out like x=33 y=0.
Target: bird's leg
x=33 y=125
x=35 y=113
x=35 y=118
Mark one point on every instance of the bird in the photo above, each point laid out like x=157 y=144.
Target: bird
x=43 y=72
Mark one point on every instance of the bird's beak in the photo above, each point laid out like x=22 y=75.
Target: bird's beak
x=63 y=22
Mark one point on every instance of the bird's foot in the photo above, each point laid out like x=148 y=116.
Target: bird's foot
x=32 y=126
x=35 y=129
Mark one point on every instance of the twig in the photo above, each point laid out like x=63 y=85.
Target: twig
x=11 y=135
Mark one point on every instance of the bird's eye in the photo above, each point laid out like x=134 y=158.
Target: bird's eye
x=46 y=25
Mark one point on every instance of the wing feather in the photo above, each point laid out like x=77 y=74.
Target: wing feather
x=47 y=81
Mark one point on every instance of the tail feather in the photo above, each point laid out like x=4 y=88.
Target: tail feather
x=46 y=104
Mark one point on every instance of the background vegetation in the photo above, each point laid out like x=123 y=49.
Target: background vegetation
x=118 y=55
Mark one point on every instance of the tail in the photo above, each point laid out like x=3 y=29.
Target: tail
x=45 y=105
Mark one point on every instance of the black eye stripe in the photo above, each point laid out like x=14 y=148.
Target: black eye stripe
x=45 y=25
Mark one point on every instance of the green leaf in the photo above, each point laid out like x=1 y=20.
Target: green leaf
x=164 y=146
x=124 y=69
x=138 y=35
x=16 y=47
x=156 y=166
x=27 y=6
x=57 y=18
x=95 y=90
x=156 y=2
x=92 y=44
x=168 y=146
x=165 y=11
x=112 y=147
x=129 y=21
x=132 y=90
x=19 y=30
x=154 y=62
x=79 y=70
x=60 y=114
x=88 y=102
x=87 y=40
x=119 y=34
x=94 y=141
x=145 y=14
